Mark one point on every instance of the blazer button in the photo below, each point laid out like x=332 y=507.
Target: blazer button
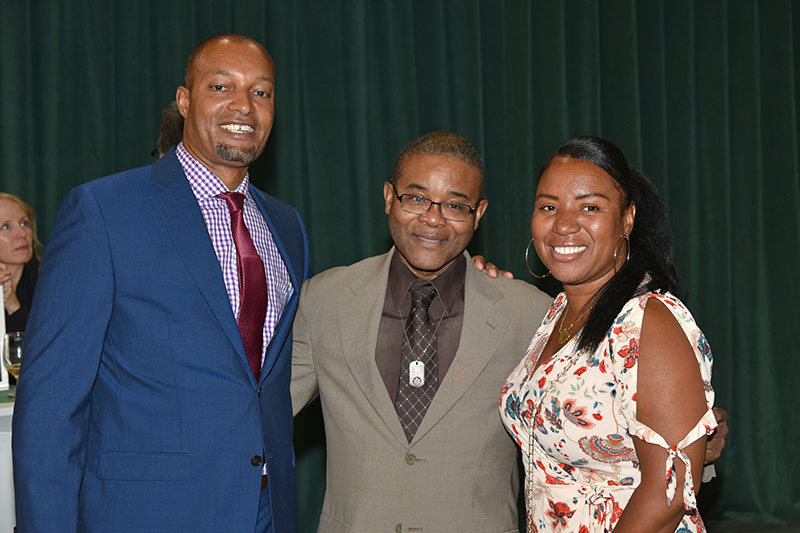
x=399 y=528
x=259 y=392
x=256 y=460
x=411 y=459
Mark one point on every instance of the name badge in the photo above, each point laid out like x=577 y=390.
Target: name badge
x=416 y=374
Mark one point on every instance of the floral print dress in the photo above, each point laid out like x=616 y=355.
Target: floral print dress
x=581 y=467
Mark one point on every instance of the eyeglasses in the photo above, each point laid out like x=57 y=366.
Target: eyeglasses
x=419 y=205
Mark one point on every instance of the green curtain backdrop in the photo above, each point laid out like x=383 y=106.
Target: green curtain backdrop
x=703 y=95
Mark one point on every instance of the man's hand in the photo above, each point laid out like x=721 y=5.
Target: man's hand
x=716 y=442
x=482 y=264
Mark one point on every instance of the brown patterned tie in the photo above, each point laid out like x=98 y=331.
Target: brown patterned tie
x=419 y=344
x=252 y=284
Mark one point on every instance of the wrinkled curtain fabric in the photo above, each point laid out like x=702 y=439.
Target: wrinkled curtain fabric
x=702 y=95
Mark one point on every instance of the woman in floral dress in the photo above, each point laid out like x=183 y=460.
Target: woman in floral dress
x=611 y=401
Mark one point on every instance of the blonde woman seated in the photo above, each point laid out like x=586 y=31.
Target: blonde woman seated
x=612 y=402
x=19 y=259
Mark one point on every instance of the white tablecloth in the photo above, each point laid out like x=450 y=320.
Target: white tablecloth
x=7 y=519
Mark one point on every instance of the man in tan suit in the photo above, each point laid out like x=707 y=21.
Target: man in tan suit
x=409 y=386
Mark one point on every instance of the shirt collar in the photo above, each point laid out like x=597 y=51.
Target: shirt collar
x=204 y=183
x=449 y=285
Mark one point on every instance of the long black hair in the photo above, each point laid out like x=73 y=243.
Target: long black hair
x=651 y=245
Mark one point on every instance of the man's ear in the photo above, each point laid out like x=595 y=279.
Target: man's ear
x=480 y=209
x=388 y=196
x=182 y=100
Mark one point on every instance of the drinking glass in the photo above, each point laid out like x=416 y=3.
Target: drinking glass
x=12 y=353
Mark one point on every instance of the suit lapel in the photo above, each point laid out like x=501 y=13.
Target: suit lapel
x=279 y=336
x=359 y=320
x=277 y=235
x=178 y=207
x=481 y=333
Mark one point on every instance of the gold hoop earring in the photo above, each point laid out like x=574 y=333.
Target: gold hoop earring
x=616 y=249
x=527 y=249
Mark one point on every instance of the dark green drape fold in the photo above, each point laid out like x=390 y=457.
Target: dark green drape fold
x=702 y=95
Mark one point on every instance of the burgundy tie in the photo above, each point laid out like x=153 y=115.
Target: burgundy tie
x=252 y=284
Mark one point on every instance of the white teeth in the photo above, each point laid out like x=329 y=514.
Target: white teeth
x=237 y=128
x=567 y=250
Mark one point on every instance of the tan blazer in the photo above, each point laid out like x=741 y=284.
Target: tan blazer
x=459 y=474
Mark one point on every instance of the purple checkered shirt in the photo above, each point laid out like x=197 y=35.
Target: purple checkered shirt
x=205 y=186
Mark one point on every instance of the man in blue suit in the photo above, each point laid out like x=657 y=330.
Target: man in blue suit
x=154 y=395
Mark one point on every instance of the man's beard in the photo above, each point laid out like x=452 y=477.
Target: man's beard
x=237 y=155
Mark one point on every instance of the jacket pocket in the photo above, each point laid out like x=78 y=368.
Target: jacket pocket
x=329 y=524
x=133 y=466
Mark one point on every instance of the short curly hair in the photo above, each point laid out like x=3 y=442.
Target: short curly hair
x=442 y=143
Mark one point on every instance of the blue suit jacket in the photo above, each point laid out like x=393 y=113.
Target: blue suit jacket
x=137 y=409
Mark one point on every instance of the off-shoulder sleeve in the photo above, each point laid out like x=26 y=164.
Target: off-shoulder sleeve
x=623 y=346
